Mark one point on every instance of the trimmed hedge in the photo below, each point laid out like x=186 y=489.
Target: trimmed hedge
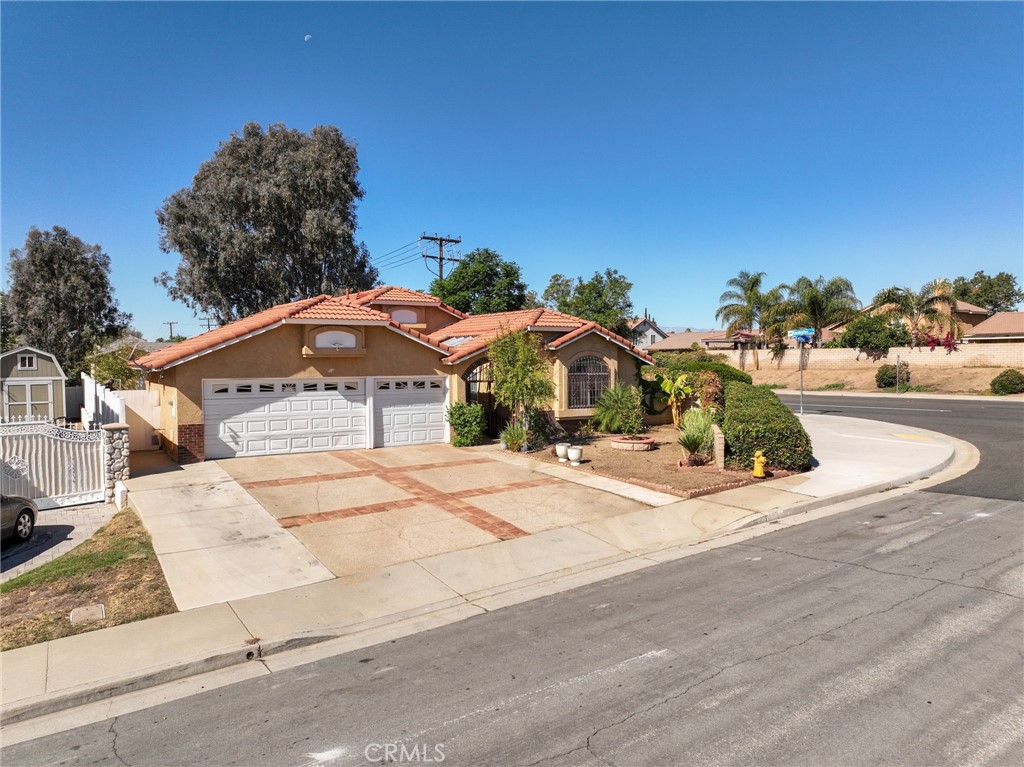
x=468 y=423
x=1010 y=381
x=756 y=419
x=725 y=372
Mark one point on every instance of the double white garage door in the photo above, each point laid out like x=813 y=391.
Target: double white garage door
x=267 y=416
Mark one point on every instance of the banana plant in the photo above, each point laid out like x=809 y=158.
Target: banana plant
x=676 y=392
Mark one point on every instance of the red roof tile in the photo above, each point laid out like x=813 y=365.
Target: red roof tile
x=484 y=328
x=225 y=334
x=390 y=294
x=337 y=308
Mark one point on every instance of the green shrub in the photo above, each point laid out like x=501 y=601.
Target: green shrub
x=612 y=408
x=755 y=419
x=514 y=436
x=725 y=372
x=468 y=422
x=696 y=436
x=885 y=377
x=633 y=421
x=874 y=331
x=1008 y=382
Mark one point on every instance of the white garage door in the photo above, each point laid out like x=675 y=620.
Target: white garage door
x=408 y=411
x=271 y=416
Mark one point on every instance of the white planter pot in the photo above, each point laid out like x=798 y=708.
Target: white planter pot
x=562 y=451
x=574 y=454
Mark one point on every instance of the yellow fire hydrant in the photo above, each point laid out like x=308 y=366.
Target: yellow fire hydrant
x=759 y=462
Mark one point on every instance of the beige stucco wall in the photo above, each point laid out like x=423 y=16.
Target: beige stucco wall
x=621 y=363
x=277 y=353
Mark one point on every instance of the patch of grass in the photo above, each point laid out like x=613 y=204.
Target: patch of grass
x=771 y=386
x=905 y=388
x=122 y=538
x=117 y=567
x=834 y=386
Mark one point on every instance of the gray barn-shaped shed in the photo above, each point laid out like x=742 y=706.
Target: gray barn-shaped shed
x=33 y=384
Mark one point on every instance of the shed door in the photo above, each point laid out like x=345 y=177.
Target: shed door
x=274 y=416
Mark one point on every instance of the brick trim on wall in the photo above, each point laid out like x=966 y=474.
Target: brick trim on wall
x=191 y=443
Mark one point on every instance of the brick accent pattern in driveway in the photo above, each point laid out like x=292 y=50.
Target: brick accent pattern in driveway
x=454 y=502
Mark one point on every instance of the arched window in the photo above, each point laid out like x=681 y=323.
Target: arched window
x=588 y=378
x=335 y=339
x=405 y=316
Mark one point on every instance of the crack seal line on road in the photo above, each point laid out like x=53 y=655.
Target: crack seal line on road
x=937 y=581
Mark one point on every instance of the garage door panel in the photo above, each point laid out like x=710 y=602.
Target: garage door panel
x=409 y=411
x=253 y=417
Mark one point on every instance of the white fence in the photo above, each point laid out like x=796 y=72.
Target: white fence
x=53 y=465
x=139 y=409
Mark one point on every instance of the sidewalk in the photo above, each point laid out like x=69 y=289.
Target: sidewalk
x=856 y=458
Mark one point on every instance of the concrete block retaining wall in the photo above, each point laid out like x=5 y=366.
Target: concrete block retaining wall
x=995 y=355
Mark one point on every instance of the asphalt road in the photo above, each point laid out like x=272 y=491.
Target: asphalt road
x=995 y=427
x=891 y=634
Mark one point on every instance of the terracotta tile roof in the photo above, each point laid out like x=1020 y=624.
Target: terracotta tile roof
x=225 y=333
x=390 y=294
x=1000 y=324
x=593 y=327
x=337 y=308
x=484 y=328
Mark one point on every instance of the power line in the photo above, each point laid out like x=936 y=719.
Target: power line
x=404 y=252
x=441 y=258
x=414 y=242
x=411 y=259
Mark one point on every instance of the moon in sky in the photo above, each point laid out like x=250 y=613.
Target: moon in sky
x=307 y=38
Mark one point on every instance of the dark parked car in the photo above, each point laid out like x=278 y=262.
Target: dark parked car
x=17 y=517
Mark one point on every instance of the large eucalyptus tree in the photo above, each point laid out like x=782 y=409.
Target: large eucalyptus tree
x=270 y=218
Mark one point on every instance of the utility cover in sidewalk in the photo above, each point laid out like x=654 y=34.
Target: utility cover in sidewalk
x=88 y=614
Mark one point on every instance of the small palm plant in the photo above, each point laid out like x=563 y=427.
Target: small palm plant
x=696 y=436
x=611 y=411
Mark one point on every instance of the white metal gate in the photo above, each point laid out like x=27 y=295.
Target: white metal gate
x=53 y=466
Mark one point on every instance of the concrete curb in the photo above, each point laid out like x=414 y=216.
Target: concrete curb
x=830 y=500
x=493 y=598
x=905 y=395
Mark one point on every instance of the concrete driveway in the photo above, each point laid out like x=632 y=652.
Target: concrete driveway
x=360 y=511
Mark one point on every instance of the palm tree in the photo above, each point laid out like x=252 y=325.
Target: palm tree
x=747 y=307
x=922 y=309
x=820 y=303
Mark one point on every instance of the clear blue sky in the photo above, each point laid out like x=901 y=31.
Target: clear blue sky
x=677 y=143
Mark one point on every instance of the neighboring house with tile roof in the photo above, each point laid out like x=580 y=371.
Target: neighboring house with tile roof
x=368 y=369
x=968 y=317
x=1001 y=327
x=645 y=332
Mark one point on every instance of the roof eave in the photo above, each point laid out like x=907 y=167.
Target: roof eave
x=204 y=352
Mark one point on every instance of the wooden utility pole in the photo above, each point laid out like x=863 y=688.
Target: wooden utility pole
x=441 y=257
x=208 y=322
x=170 y=329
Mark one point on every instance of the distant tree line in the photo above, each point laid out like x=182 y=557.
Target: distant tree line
x=271 y=218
